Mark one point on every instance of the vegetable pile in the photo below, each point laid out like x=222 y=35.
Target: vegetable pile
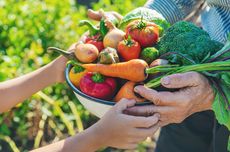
x=114 y=56
x=143 y=49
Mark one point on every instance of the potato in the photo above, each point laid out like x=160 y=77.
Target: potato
x=86 y=53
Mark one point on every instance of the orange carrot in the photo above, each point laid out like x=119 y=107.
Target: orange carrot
x=127 y=91
x=133 y=70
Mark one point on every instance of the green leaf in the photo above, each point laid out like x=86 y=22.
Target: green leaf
x=219 y=106
x=103 y=29
x=146 y=14
x=221 y=113
x=224 y=52
x=4 y=129
x=163 y=24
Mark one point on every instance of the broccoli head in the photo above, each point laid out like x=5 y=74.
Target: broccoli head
x=190 y=41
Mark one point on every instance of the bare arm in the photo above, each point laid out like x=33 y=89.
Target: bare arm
x=86 y=141
x=16 y=90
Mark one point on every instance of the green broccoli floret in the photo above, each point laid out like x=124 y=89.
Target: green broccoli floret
x=189 y=40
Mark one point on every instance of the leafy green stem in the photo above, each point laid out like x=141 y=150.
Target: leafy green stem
x=214 y=66
x=178 y=54
x=223 y=51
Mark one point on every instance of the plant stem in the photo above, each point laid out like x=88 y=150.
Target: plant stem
x=11 y=143
x=68 y=55
x=93 y=30
x=40 y=133
x=214 y=66
x=161 y=68
x=178 y=54
x=220 y=90
x=224 y=50
x=77 y=116
x=62 y=115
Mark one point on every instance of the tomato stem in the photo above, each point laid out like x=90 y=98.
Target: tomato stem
x=98 y=78
x=141 y=24
x=78 y=69
x=129 y=42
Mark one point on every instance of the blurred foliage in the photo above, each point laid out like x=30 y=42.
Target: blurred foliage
x=27 y=28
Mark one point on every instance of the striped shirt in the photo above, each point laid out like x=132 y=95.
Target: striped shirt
x=215 y=18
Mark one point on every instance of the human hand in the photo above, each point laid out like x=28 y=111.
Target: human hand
x=97 y=15
x=123 y=131
x=59 y=64
x=194 y=95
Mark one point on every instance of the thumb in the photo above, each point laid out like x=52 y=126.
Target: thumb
x=181 y=80
x=124 y=104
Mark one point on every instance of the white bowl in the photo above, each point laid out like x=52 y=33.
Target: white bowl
x=96 y=106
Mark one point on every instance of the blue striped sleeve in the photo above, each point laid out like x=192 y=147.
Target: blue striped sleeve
x=173 y=10
x=216 y=21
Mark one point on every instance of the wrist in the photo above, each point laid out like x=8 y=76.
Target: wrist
x=58 y=68
x=95 y=138
x=86 y=141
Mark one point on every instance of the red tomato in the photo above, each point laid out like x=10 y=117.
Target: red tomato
x=98 y=44
x=144 y=32
x=96 y=41
x=129 y=49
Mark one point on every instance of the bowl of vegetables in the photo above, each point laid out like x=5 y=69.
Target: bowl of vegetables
x=107 y=65
x=114 y=58
x=95 y=105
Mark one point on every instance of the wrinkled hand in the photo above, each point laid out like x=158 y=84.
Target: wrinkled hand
x=97 y=15
x=195 y=94
x=124 y=131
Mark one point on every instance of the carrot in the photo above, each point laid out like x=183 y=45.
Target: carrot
x=127 y=91
x=133 y=70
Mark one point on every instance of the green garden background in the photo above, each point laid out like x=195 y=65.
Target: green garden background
x=27 y=28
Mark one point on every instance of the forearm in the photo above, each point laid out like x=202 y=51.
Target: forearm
x=16 y=90
x=86 y=141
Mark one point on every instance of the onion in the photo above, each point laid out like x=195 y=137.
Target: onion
x=114 y=36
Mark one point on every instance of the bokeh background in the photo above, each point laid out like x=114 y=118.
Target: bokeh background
x=27 y=28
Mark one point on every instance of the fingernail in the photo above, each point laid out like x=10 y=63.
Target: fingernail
x=136 y=89
x=166 y=81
